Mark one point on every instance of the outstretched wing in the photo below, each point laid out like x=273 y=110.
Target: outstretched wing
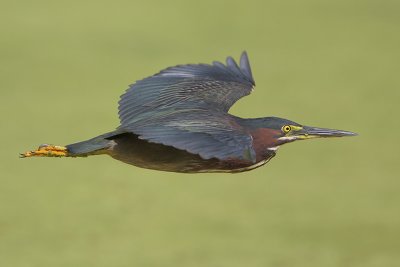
x=186 y=107
x=215 y=87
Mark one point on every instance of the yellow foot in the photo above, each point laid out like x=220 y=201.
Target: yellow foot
x=46 y=151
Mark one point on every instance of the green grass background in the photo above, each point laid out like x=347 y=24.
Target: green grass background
x=319 y=203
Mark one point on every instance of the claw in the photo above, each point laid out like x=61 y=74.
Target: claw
x=46 y=150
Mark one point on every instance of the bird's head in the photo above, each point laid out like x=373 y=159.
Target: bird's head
x=271 y=132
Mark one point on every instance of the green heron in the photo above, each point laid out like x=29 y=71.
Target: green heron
x=177 y=120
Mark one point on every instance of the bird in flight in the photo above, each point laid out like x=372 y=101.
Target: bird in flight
x=177 y=120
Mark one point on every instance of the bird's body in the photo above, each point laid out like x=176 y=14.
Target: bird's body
x=178 y=120
x=130 y=149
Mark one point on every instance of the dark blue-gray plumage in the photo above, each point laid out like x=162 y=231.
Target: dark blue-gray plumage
x=186 y=107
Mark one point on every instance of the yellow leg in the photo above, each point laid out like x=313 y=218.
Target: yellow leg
x=46 y=151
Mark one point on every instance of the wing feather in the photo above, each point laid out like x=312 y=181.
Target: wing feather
x=198 y=132
x=186 y=107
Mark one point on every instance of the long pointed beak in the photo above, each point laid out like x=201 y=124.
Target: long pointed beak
x=313 y=132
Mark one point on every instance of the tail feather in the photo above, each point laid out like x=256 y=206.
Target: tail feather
x=96 y=145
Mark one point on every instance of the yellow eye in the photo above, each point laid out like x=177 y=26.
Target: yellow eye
x=286 y=128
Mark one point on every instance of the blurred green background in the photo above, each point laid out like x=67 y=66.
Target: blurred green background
x=336 y=202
